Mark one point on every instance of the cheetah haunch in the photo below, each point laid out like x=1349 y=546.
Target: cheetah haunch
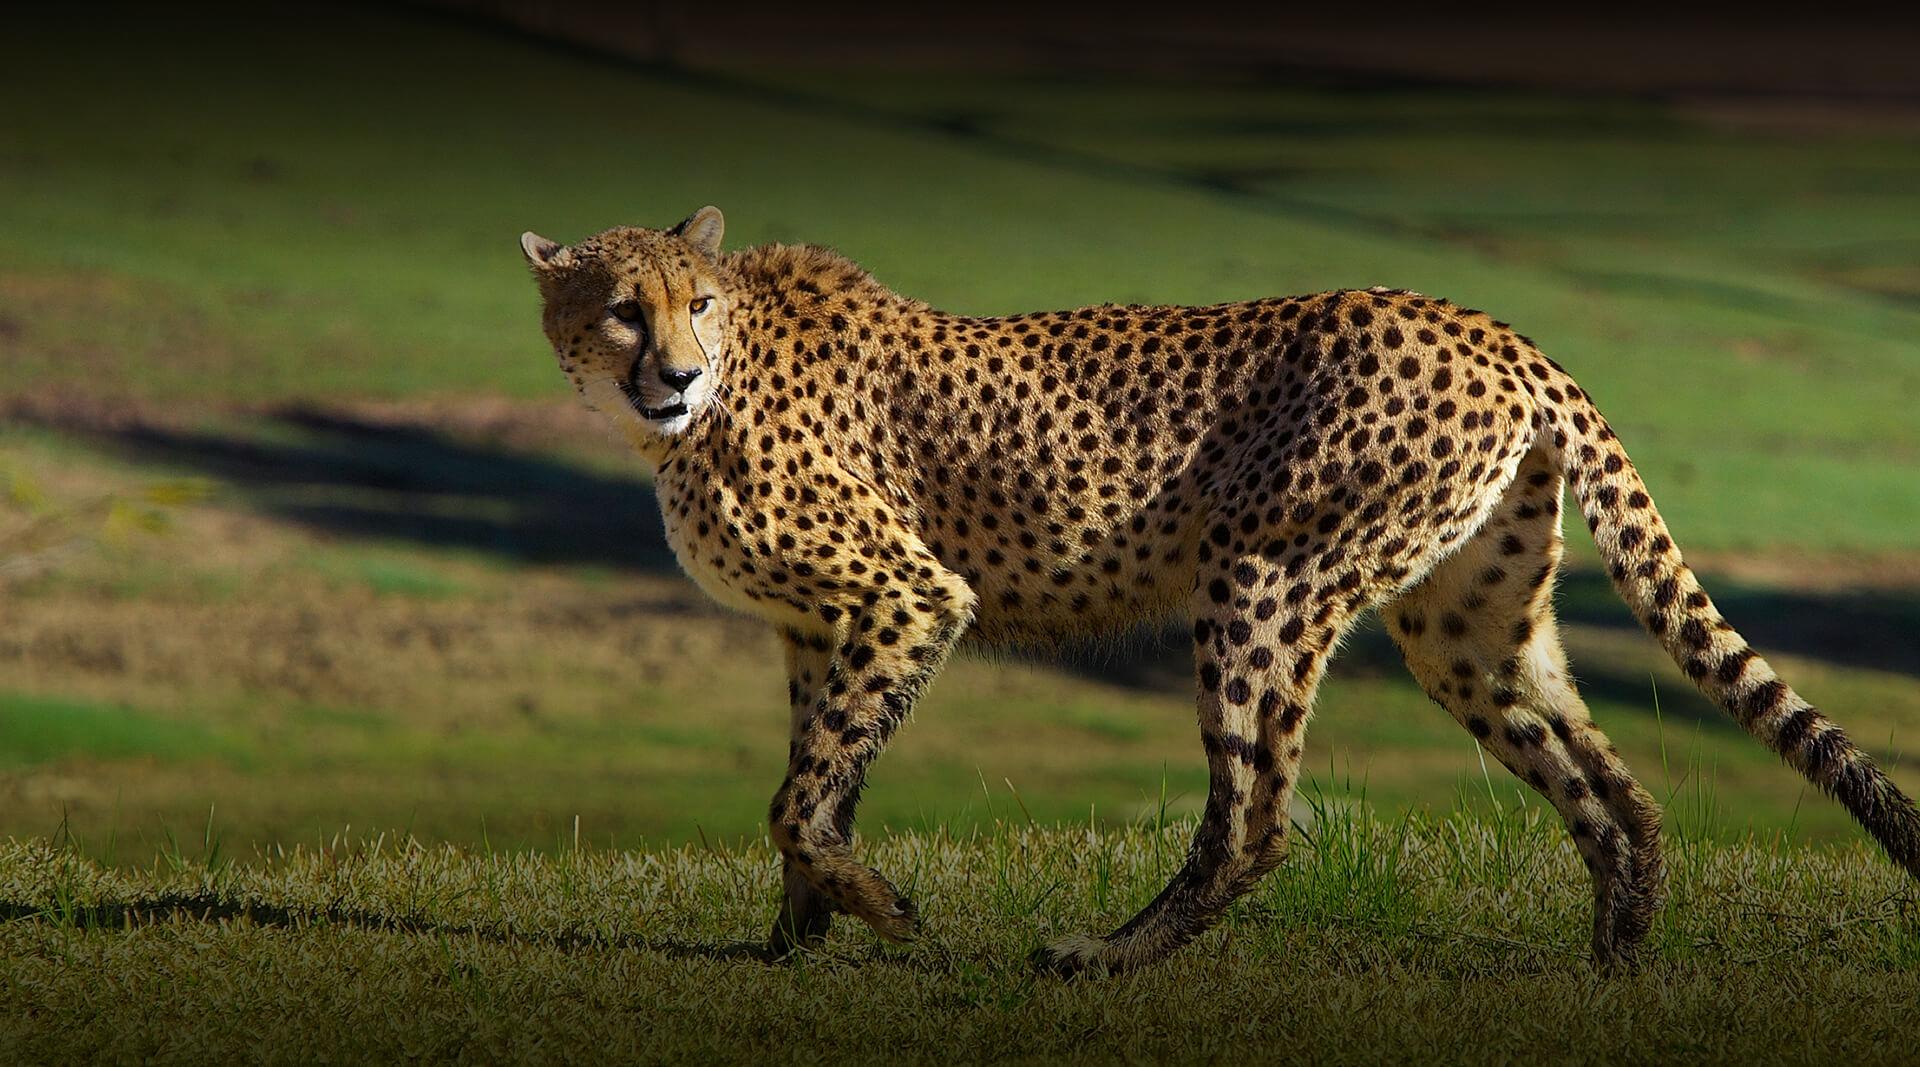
x=875 y=478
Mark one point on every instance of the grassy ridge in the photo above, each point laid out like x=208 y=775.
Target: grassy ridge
x=328 y=208
x=1452 y=940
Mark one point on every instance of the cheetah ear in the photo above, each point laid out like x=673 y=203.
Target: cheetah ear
x=542 y=254
x=702 y=230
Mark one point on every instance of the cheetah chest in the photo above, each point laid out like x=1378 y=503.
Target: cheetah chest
x=729 y=548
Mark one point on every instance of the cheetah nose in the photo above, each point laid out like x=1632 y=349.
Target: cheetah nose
x=678 y=380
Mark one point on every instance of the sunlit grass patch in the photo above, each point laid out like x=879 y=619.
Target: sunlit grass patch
x=1456 y=938
x=38 y=729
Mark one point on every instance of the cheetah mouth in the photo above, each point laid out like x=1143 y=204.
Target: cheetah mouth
x=672 y=409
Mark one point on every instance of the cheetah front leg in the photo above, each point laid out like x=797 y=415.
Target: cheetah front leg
x=885 y=654
x=1259 y=654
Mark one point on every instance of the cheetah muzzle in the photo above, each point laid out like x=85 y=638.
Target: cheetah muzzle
x=877 y=478
x=636 y=398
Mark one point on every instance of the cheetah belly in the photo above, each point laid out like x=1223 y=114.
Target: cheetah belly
x=1061 y=554
x=1097 y=583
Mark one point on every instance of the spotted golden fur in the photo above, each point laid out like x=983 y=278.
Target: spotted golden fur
x=876 y=478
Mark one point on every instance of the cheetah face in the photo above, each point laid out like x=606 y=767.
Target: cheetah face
x=638 y=319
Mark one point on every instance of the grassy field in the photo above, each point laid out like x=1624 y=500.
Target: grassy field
x=1454 y=940
x=424 y=594
x=329 y=209
x=280 y=682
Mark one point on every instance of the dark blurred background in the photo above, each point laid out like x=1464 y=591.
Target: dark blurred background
x=303 y=532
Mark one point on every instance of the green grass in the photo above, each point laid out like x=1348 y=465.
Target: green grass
x=405 y=630
x=330 y=210
x=42 y=729
x=1451 y=939
x=292 y=681
x=389 y=575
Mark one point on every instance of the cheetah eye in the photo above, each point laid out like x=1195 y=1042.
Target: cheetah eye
x=699 y=305
x=627 y=311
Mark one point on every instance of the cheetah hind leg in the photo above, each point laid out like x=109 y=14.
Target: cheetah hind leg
x=1479 y=635
x=1259 y=664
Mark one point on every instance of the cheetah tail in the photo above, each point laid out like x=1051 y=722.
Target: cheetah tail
x=1664 y=595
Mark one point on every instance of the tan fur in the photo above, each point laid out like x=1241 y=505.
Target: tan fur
x=876 y=478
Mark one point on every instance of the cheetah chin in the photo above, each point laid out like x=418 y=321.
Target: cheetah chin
x=876 y=478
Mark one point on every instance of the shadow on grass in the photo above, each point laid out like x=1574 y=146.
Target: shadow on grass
x=382 y=480
x=1873 y=629
x=1848 y=627
x=1159 y=659
x=210 y=908
x=386 y=480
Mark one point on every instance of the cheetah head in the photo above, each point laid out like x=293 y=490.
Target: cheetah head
x=638 y=319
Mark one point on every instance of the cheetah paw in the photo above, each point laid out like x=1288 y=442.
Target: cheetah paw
x=1072 y=957
x=899 y=922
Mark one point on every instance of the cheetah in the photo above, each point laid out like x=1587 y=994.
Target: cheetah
x=876 y=478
